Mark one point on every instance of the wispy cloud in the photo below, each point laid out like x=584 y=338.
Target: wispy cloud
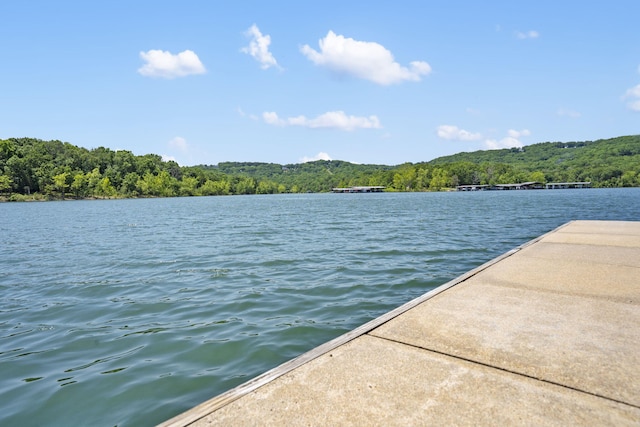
x=166 y=65
x=319 y=156
x=365 y=60
x=632 y=96
x=329 y=120
x=531 y=34
x=450 y=132
x=259 y=48
x=510 y=141
x=242 y=113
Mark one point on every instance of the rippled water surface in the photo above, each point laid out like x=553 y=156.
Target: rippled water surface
x=128 y=312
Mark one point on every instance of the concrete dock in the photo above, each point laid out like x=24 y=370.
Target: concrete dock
x=546 y=334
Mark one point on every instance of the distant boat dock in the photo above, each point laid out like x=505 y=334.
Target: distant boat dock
x=546 y=334
x=525 y=186
x=369 y=189
x=478 y=187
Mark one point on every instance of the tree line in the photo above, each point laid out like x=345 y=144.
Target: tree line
x=33 y=168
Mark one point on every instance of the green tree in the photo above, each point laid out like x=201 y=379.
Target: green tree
x=423 y=177
x=188 y=186
x=105 y=189
x=5 y=184
x=61 y=183
x=145 y=184
x=405 y=178
x=93 y=181
x=165 y=184
x=538 y=176
x=7 y=150
x=244 y=186
x=439 y=179
x=129 y=186
x=629 y=179
x=267 y=187
x=79 y=185
x=215 y=188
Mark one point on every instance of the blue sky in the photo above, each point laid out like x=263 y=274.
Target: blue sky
x=203 y=82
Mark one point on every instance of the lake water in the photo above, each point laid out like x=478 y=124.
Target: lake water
x=128 y=312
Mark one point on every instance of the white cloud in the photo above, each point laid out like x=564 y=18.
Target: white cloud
x=568 y=113
x=450 y=132
x=164 y=64
x=319 y=156
x=179 y=143
x=179 y=149
x=365 y=60
x=531 y=34
x=272 y=118
x=518 y=133
x=329 y=120
x=634 y=92
x=634 y=105
x=633 y=97
x=259 y=48
x=512 y=140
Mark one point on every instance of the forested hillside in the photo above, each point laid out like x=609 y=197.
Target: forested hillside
x=607 y=163
x=33 y=168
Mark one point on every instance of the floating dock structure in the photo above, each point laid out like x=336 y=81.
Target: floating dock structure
x=369 y=189
x=565 y=185
x=532 y=185
x=546 y=334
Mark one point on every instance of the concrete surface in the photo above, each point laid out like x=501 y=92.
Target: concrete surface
x=547 y=334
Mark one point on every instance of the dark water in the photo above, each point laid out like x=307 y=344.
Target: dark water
x=128 y=312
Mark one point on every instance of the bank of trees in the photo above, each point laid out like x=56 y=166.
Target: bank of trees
x=62 y=170
x=55 y=169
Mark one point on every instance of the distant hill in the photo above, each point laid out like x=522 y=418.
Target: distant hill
x=607 y=162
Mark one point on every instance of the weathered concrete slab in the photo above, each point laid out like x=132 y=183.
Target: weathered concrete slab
x=614 y=255
x=563 y=275
x=376 y=382
x=607 y=228
x=599 y=233
x=547 y=334
x=585 y=343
